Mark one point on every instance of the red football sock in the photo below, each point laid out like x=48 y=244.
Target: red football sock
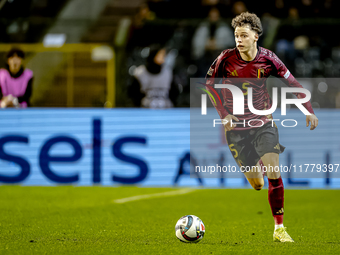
x=276 y=198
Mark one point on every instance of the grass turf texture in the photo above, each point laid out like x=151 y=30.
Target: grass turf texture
x=85 y=220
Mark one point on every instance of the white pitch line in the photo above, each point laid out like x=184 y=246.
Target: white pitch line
x=148 y=196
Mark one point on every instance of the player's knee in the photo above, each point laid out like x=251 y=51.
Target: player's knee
x=270 y=159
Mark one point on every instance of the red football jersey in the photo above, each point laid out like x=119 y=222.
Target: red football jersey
x=254 y=74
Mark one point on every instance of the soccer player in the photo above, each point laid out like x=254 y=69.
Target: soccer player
x=259 y=146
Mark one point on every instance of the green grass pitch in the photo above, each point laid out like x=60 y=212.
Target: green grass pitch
x=86 y=220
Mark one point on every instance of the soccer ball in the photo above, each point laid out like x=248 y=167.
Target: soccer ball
x=190 y=229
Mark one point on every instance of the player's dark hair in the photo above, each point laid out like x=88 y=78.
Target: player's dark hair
x=246 y=18
x=15 y=51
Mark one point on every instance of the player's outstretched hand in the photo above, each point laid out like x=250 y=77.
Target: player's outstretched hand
x=313 y=121
x=227 y=120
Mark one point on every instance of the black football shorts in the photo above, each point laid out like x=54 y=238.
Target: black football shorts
x=248 y=146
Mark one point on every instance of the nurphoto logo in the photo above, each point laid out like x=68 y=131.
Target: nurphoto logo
x=238 y=104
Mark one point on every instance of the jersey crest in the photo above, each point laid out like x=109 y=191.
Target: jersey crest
x=210 y=71
x=260 y=73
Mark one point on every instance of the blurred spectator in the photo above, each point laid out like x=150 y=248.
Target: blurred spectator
x=210 y=2
x=270 y=25
x=15 y=81
x=308 y=9
x=140 y=34
x=287 y=33
x=280 y=9
x=143 y=14
x=14 y=17
x=211 y=37
x=224 y=6
x=293 y=14
x=301 y=42
x=239 y=7
x=152 y=83
x=329 y=9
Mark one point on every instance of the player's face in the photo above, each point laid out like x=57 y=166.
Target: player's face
x=245 y=38
x=14 y=64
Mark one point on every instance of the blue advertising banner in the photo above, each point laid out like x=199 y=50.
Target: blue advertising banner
x=138 y=146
